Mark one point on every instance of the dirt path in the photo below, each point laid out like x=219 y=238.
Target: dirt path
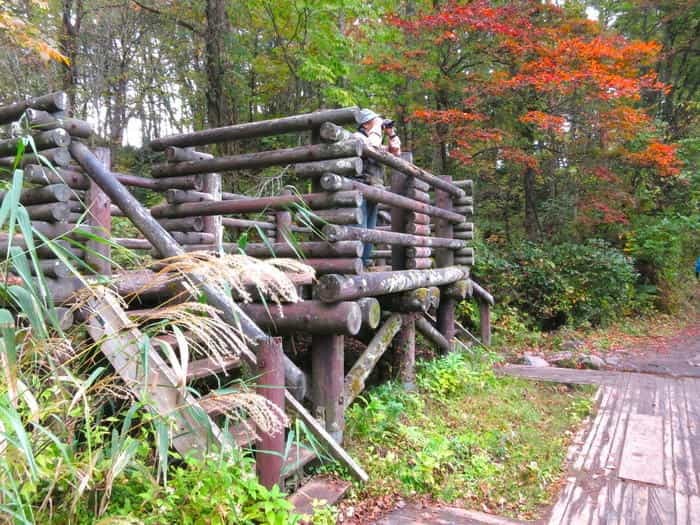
x=638 y=461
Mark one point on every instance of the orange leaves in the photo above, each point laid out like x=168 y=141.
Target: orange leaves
x=660 y=157
x=545 y=121
x=447 y=116
x=27 y=36
x=598 y=212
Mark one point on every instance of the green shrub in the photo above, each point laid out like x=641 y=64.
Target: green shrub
x=665 y=250
x=567 y=283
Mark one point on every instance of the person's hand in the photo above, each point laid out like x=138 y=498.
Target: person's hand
x=394 y=144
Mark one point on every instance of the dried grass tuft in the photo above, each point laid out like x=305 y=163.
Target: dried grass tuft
x=241 y=406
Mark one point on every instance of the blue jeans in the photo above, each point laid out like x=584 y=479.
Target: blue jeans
x=369 y=221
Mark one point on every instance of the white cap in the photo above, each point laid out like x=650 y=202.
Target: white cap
x=365 y=115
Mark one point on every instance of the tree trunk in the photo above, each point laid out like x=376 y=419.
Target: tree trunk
x=531 y=223
x=71 y=15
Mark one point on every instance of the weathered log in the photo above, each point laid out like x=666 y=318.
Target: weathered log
x=313 y=200
x=459 y=290
x=464 y=201
x=464 y=227
x=45 y=121
x=419 y=252
x=417 y=218
x=415 y=184
x=360 y=371
x=283 y=222
x=269 y=455
x=404 y=352
x=418 y=229
x=57 y=101
x=314 y=250
x=256 y=129
x=53 y=229
x=483 y=294
x=464 y=184
x=188 y=182
x=194 y=237
x=338 y=216
x=445 y=316
x=351 y=166
x=245 y=224
x=330 y=132
x=311 y=317
x=371 y=312
x=431 y=333
x=408 y=168
x=418 y=300
x=485 y=322
x=332 y=288
x=348 y=233
x=419 y=196
x=414 y=263
x=114 y=211
x=185 y=224
x=51 y=212
x=47 y=194
x=464 y=252
x=55 y=138
x=167 y=247
x=133 y=244
x=327 y=375
x=464 y=210
x=261 y=159
x=376 y=194
x=52 y=268
x=380 y=254
x=334 y=182
x=175 y=154
x=43 y=251
x=56 y=156
x=99 y=216
x=174 y=196
x=37 y=174
x=344 y=266
x=464 y=235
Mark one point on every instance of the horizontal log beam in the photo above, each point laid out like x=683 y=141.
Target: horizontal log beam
x=281 y=202
x=347 y=166
x=330 y=132
x=174 y=196
x=333 y=288
x=52 y=102
x=407 y=168
x=348 y=233
x=185 y=224
x=56 y=156
x=375 y=194
x=256 y=129
x=244 y=224
x=261 y=159
x=43 y=195
x=312 y=317
x=175 y=154
x=45 y=121
x=55 y=138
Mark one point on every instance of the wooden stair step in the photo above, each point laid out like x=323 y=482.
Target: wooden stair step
x=208 y=367
x=296 y=459
x=324 y=489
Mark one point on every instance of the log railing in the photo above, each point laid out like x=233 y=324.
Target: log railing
x=420 y=262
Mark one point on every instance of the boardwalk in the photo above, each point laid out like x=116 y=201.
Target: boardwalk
x=639 y=462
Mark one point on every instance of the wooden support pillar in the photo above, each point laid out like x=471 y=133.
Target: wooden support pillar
x=283 y=220
x=328 y=381
x=485 y=322
x=270 y=449
x=213 y=223
x=405 y=348
x=445 y=257
x=100 y=216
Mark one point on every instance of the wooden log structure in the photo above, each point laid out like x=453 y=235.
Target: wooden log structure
x=56 y=156
x=333 y=288
x=348 y=233
x=313 y=317
x=262 y=159
x=55 y=138
x=257 y=129
x=445 y=258
x=52 y=102
x=46 y=121
x=44 y=195
x=344 y=166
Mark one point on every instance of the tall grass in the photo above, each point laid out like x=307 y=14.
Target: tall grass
x=71 y=436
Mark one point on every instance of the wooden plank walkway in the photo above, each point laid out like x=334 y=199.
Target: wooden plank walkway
x=639 y=462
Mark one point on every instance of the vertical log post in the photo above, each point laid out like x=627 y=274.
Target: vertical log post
x=443 y=258
x=100 y=216
x=404 y=345
x=328 y=367
x=328 y=381
x=270 y=449
x=213 y=223
x=283 y=221
x=485 y=322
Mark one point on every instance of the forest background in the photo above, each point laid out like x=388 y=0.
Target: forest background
x=578 y=121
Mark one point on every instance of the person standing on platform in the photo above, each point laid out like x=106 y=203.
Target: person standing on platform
x=372 y=128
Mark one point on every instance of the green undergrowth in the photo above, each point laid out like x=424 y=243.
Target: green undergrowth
x=467 y=437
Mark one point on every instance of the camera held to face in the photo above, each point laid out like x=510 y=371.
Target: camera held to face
x=386 y=124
